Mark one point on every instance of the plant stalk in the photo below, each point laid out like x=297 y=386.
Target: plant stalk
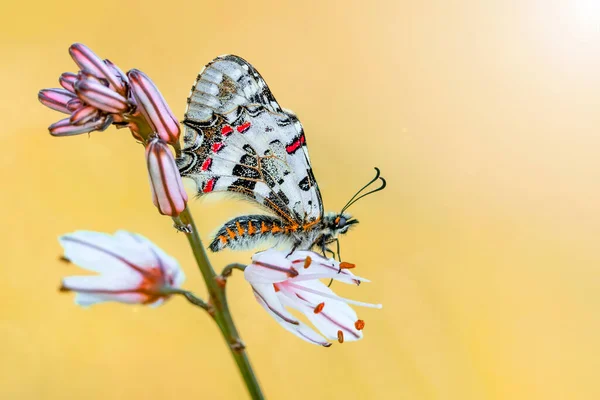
x=218 y=301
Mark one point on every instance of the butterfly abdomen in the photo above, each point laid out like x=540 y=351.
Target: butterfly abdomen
x=246 y=232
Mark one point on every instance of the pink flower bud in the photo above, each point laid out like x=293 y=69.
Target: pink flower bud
x=168 y=194
x=154 y=107
x=87 y=60
x=101 y=97
x=74 y=104
x=65 y=128
x=56 y=99
x=84 y=115
x=130 y=268
x=67 y=80
x=117 y=71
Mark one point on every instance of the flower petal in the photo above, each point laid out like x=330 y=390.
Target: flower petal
x=100 y=252
x=321 y=267
x=100 y=96
x=154 y=107
x=56 y=99
x=86 y=59
x=168 y=194
x=269 y=266
x=265 y=295
x=173 y=272
x=331 y=318
x=65 y=128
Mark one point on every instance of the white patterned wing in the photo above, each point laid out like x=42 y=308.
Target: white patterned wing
x=238 y=139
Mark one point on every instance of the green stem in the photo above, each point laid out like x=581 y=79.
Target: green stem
x=228 y=270
x=218 y=303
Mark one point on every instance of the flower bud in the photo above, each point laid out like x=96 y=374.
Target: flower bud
x=67 y=80
x=154 y=107
x=64 y=127
x=84 y=115
x=168 y=194
x=100 y=96
x=56 y=99
x=87 y=60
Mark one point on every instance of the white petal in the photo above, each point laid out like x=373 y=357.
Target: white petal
x=306 y=333
x=266 y=296
x=96 y=252
x=285 y=319
x=321 y=290
x=321 y=267
x=270 y=266
x=335 y=316
x=173 y=273
x=106 y=282
x=88 y=299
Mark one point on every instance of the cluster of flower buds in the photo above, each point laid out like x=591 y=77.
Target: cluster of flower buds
x=99 y=95
x=280 y=280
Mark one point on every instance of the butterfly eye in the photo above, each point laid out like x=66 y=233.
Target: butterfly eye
x=340 y=221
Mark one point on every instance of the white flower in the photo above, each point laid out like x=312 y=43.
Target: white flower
x=132 y=269
x=293 y=281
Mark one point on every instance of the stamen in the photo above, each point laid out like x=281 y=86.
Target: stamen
x=359 y=325
x=319 y=308
x=276 y=288
x=347 y=265
x=340 y=335
x=307 y=262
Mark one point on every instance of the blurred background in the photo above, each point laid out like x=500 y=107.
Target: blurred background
x=484 y=118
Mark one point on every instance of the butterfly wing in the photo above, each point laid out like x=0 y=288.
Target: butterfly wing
x=239 y=140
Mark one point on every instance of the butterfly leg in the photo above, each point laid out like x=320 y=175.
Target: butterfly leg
x=339 y=257
x=294 y=248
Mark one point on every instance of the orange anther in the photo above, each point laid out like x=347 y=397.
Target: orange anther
x=340 y=336
x=346 y=265
x=359 y=325
x=319 y=308
x=307 y=262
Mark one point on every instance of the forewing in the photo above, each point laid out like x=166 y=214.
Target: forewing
x=239 y=140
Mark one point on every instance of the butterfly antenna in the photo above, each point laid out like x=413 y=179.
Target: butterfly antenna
x=354 y=198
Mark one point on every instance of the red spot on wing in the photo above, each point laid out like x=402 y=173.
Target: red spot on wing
x=243 y=127
x=226 y=130
x=217 y=146
x=209 y=185
x=206 y=164
x=295 y=145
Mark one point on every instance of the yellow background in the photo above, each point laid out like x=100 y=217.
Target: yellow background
x=483 y=116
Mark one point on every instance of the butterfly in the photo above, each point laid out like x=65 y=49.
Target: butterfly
x=239 y=140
